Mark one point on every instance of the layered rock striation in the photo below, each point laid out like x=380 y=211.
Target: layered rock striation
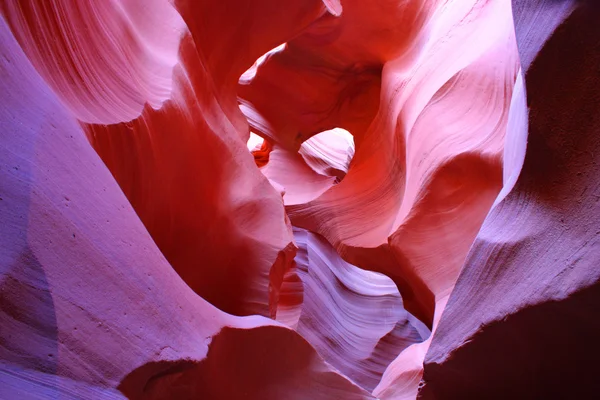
x=315 y=199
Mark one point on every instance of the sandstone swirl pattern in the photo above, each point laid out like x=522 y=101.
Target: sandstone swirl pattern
x=415 y=215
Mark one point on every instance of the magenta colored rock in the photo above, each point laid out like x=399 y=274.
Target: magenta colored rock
x=354 y=318
x=90 y=308
x=522 y=319
x=300 y=199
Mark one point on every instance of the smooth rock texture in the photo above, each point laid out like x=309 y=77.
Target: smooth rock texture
x=329 y=153
x=522 y=320
x=429 y=165
x=303 y=199
x=321 y=162
x=89 y=306
x=354 y=318
x=105 y=59
x=197 y=135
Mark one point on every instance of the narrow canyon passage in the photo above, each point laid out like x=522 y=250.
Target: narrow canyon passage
x=301 y=199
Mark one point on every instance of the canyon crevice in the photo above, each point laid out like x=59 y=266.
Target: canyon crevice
x=301 y=199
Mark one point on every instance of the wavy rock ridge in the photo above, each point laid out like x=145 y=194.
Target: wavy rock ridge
x=315 y=199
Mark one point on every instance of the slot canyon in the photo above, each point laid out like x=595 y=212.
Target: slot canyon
x=300 y=199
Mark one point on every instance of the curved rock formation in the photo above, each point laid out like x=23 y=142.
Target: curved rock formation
x=354 y=318
x=88 y=303
x=521 y=322
x=329 y=153
x=428 y=155
x=303 y=199
x=105 y=59
x=197 y=135
x=321 y=162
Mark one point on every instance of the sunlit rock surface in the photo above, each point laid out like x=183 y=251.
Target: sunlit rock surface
x=302 y=176
x=353 y=317
x=305 y=199
x=89 y=306
x=522 y=321
x=183 y=166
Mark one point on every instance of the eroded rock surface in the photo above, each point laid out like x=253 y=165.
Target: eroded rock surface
x=521 y=320
x=353 y=317
x=415 y=213
x=428 y=160
x=90 y=308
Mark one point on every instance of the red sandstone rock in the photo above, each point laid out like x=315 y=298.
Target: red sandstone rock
x=181 y=163
x=522 y=320
x=442 y=137
x=104 y=59
x=302 y=176
x=354 y=318
x=88 y=303
x=427 y=166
